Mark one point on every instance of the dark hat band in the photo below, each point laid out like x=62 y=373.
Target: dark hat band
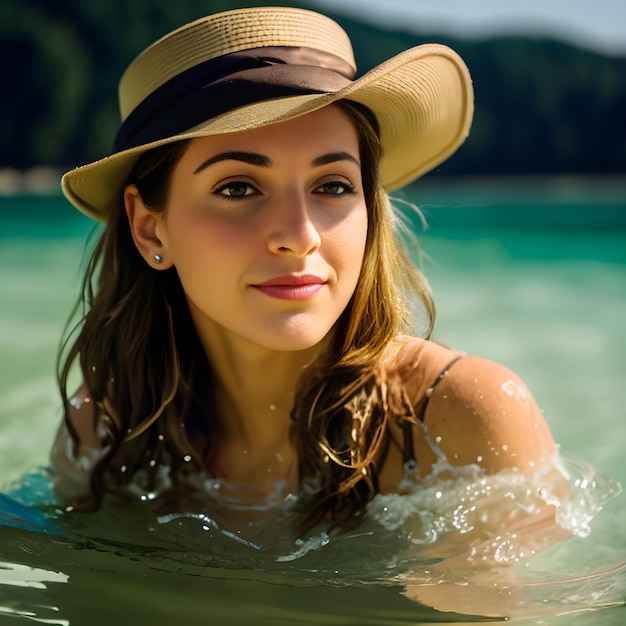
x=227 y=82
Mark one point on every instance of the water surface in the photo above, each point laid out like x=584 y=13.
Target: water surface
x=534 y=277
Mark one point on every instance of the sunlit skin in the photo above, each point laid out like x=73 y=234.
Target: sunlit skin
x=267 y=230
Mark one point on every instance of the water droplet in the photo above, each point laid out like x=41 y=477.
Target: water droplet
x=513 y=390
x=76 y=402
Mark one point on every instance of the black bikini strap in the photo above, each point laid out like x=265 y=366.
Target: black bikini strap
x=420 y=411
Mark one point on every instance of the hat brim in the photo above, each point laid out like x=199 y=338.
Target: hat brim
x=422 y=99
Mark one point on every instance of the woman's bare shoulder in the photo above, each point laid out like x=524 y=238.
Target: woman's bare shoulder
x=478 y=410
x=77 y=448
x=482 y=412
x=418 y=362
x=81 y=418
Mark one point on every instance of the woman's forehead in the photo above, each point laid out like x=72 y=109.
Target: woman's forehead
x=326 y=130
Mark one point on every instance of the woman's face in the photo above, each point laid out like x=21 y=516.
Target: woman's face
x=267 y=230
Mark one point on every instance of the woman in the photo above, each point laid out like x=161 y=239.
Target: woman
x=247 y=307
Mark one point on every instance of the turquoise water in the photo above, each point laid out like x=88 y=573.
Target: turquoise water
x=532 y=276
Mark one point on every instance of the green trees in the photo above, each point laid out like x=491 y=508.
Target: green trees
x=541 y=106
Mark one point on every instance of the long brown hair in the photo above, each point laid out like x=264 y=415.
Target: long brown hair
x=141 y=360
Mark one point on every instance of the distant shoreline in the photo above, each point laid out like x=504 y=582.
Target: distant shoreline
x=46 y=180
x=39 y=180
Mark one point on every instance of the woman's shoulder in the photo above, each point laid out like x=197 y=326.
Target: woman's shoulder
x=81 y=418
x=77 y=448
x=418 y=362
x=474 y=409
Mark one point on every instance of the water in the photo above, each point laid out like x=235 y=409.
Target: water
x=532 y=277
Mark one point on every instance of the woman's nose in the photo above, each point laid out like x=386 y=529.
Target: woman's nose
x=294 y=230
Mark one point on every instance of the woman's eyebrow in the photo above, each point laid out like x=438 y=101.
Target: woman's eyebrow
x=332 y=157
x=246 y=157
x=260 y=160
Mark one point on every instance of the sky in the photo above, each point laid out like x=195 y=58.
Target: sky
x=599 y=25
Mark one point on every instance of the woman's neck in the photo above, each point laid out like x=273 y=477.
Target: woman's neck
x=254 y=389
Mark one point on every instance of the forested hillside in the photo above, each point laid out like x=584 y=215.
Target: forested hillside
x=542 y=107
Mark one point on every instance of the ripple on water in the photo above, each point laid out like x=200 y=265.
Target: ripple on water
x=460 y=541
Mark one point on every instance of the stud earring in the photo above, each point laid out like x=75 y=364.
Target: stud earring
x=158 y=259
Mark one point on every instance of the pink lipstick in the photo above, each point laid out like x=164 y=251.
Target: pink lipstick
x=292 y=287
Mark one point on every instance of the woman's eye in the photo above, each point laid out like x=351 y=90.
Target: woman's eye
x=237 y=189
x=335 y=188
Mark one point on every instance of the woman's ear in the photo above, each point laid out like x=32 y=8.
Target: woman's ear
x=143 y=227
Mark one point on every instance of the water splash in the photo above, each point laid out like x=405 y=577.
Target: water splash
x=461 y=540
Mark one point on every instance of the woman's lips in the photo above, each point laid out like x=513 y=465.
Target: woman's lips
x=292 y=287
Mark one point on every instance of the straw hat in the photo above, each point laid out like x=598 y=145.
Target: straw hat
x=239 y=70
